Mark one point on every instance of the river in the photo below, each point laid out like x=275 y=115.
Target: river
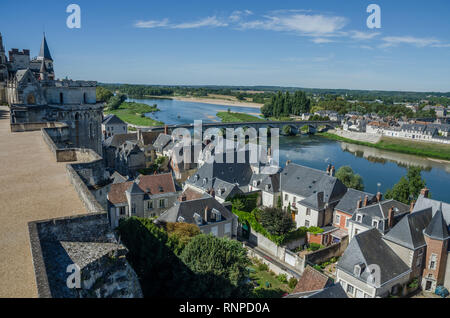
x=374 y=165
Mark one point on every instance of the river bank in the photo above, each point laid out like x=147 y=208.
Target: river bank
x=134 y=114
x=418 y=148
x=212 y=100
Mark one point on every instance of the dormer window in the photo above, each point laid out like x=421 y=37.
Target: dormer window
x=198 y=219
x=375 y=224
x=216 y=215
x=180 y=219
x=359 y=269
x=359 y=218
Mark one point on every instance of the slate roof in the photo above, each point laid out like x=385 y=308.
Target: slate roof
x=161 y=142
x=311 y=280
x=305 y=181
x=45 y=52
x=350 y=199
x=380 y=211
x=265 y=182
x=368 y=248
x=335 y=291
x=118 y=139
x=423 y=203
x=150 y=185
x=113 y=120
x=437 y=229
x=408 y=232
x=187 y=209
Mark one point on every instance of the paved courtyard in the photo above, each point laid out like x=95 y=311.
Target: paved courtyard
x=33 y=186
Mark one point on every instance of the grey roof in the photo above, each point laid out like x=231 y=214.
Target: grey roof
x=305 y=181
x=118 y=178
x=113 y=120
x=348 y=202
x=368 y=248
x=269 y=183
x=314 y=201
x=409 y=231
x=118 y=139
x=135 y=189
x=187 y=209
x=437 y=229
x=45 y=52
x=334 y=291
x=380 y=211
x=161 y=142
x=423 y=203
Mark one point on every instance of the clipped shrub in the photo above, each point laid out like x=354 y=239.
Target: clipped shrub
x=282 y=278
x=263 y=267
x=292 y=282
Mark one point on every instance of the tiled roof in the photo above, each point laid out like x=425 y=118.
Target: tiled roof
x=348 y=202
x=311 y=280
x=151 y=185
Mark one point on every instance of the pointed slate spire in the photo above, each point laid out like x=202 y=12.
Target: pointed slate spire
x=45 y=52
x=437 y=229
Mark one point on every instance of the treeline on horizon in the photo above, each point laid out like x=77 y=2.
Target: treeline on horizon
x=383 y=103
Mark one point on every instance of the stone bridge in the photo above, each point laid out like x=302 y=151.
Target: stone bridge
x=296 y=126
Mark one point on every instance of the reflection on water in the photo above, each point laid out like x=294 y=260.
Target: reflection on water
x=374 y=165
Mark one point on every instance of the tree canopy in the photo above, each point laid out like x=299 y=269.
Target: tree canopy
x=408 y=188
x=103 y=94
x=349 y=178
x=221 y=265
x=283 y=105
x=276 y=221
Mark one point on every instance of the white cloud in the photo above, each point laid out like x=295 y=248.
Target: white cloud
x=390 y=41
x=152 y=24
x=206 y=22
x=304 y=24
x=321 y=40
x=239 y=15
x=358 y=35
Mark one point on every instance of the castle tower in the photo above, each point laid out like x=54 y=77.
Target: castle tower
x=44 y=55
x=436 y=237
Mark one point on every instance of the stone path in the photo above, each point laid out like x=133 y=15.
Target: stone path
x=33 y=186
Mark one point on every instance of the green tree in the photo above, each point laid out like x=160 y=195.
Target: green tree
x=115 y=101
x=276 y=221
x=220 y=264
x=103 y=94
x=349 y=178
x=408 y=188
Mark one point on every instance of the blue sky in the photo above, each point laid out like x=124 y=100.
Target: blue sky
x=320 y=44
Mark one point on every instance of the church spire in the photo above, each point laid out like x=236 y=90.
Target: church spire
x=45 y=52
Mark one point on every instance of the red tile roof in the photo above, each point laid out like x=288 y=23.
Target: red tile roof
x=151 y=184
x=310 y=280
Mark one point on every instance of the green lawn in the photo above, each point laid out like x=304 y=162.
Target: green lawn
x=276 y=289
x=230 y=117
x=418 y=148
x=132 y=113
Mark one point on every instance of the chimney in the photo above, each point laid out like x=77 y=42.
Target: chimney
x=213 y=193
x=332 y=171
x=391 y=218
x=366 y=200
x=411 y=207
x=425 y=192
x=379 y=197
x=328 y=169
x=139 y=135
x=166 y=130
x=206 y=214
x=359 y=204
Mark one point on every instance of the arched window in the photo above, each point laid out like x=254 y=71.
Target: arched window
x=61 y=98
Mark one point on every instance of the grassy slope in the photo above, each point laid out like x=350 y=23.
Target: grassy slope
x=131 y=112
x=230 y=117
x=418 y=148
